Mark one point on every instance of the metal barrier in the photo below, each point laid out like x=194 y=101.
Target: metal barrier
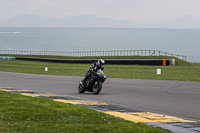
x=93 y=53
x=160 y=62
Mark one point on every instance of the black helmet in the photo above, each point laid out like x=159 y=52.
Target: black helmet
x=101 y=62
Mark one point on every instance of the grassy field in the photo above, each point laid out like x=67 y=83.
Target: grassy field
x=182 y=71
x=27 y=114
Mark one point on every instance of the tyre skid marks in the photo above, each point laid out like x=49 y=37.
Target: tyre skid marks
x=148 y=117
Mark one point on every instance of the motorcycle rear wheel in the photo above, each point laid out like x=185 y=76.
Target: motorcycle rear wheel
x=96 y=88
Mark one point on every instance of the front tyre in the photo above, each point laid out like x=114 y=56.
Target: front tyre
x=96 y=88
x=81 y=89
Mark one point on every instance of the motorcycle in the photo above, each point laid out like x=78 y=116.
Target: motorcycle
x=93 y=83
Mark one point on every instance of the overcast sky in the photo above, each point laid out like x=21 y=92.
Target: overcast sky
x=140 y=11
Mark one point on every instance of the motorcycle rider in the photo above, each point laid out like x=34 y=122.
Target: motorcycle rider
x=93 y=68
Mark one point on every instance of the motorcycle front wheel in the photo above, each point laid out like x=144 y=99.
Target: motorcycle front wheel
x=96 y=88
x=81 y=89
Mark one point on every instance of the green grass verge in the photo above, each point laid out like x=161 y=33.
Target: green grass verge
x=182 y=71
x=27 y=114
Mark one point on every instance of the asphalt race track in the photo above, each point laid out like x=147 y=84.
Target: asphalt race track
x=175 y=98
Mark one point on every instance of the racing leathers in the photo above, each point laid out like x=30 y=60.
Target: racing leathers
x=93 y=69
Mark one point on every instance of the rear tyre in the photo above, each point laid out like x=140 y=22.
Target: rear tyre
x=81 y=89
x=96 y=88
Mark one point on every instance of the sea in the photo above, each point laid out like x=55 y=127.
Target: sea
x=176 y=41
